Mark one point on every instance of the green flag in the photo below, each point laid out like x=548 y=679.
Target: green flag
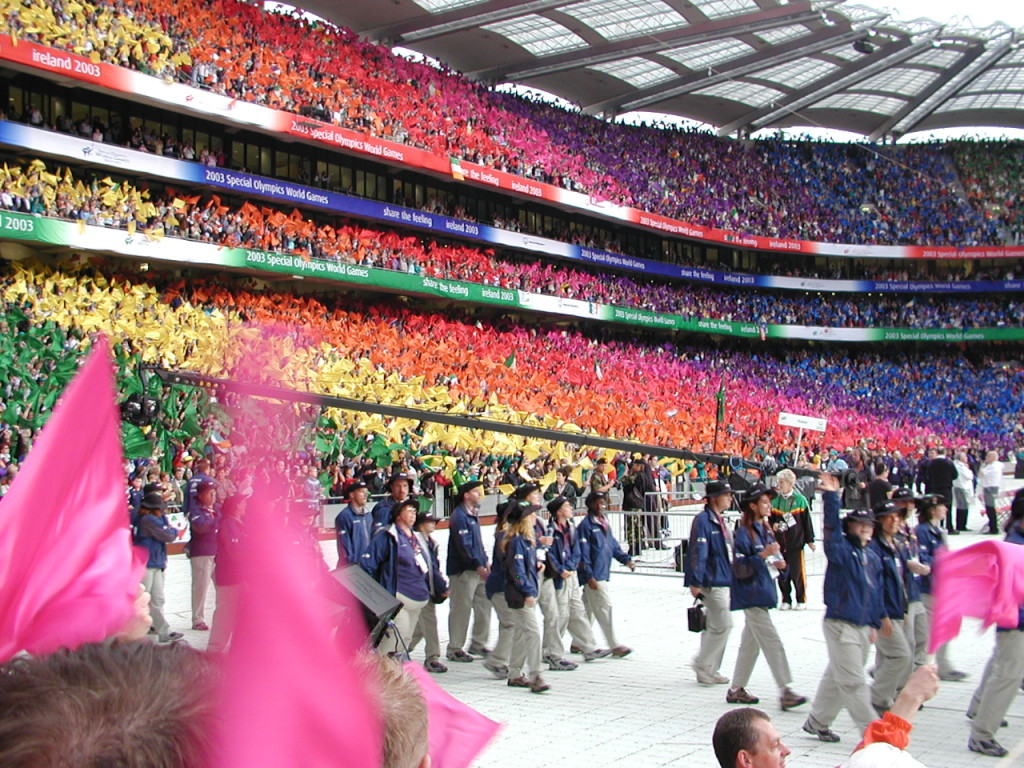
x=720 y=397
x=510 y=361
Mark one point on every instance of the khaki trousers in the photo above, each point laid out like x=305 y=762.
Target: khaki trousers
x=400 y=635
x=716 y=634
x=153 y=582
x=426 y=628
x=759 y=634
x=916 y=626
x=502 y=652
x=549 y=607
x=467 y=596
x=224 y=617
x=202 y=576
x=598 y=603
x=942 y=654
x=894 y=662
x=572 y=616
x=843 y=683
x=999 y=685
x=526 y=642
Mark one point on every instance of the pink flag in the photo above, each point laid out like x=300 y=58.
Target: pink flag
x=67 y=567
x=291 y=695
x=984 y=581
x=457 y=732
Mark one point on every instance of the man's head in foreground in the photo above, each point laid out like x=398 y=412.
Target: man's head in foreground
x=746 y=738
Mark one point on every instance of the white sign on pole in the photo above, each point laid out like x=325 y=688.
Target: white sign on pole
x=802 y=422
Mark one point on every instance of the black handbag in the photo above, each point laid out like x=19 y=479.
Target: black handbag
x=697 y=616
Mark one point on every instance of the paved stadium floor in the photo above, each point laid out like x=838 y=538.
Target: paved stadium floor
x=647 y=710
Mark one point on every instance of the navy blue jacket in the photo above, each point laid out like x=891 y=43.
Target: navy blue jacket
x=911 y=581
x=465 y=544
x=495 y=584
x=597 y=548
x=382 y=562
x=521 y=559
x=753 y=580
x=707 y=556
x=894 y=568
x=564 y=554
x=436 y=581
x=1015 y=536
x=929 y=539
x=854 y=574
x=354 y=532
x=188 y=497
x=154 y=533
x=382 y=512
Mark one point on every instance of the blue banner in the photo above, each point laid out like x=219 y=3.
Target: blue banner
x=73 y=148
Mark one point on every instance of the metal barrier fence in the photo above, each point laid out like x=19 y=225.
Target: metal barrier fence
x=654 y=537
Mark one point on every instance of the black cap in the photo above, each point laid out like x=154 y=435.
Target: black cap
x=594 y=497
x=205 y=485
x=153 y=500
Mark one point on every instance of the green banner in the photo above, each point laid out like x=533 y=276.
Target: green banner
x=39 y=229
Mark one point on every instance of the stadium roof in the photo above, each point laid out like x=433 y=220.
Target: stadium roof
x=739 y=65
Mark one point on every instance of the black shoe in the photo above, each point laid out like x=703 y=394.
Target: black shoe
x=459 y=655
x=823 y=734
x=953 y=676
x=989 y=747
x=954 y=532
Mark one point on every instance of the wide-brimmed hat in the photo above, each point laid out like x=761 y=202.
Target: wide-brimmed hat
x=556 y=504
x=424 y=517
x=524 y=490
x=903 y=495
x=887 y=507
x=756 y=491
x=412 y=501
x=859 y=516
x=467 y=487
x=357 y=486
x=520 y=511
x=153 y=500
x=401 y=476
x=929 y=501
x=594 y=497
x=716 y=488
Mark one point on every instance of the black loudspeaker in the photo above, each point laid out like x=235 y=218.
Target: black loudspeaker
x=379 y=606
x=741 y=481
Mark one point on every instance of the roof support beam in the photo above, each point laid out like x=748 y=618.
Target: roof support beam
x=983 y=59
x=652 y=43
x=745 y=65
x=431 y=25
x=853 y=73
